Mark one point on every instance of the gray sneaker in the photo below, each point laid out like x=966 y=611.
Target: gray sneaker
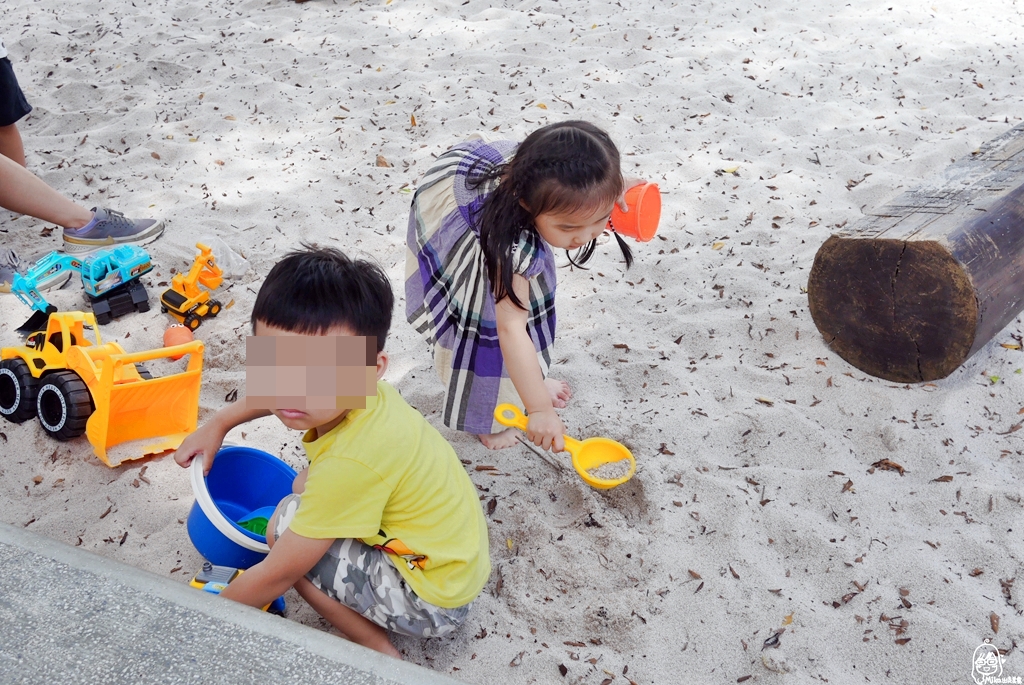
x=111 y=228
x=11 y=264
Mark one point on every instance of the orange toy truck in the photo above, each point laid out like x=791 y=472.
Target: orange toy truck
x=185 y=300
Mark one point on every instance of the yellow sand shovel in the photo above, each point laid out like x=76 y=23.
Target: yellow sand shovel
x=588 y=456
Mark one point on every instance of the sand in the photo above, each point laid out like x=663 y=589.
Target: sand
x=755 y=506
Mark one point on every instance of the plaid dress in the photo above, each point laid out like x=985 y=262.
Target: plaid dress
x=448 y=296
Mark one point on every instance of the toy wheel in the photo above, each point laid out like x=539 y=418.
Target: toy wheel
x=163 y=309
x=18 y=389
x=142 y=306
x=215 y=308
x=63 y=404
x=192 y=321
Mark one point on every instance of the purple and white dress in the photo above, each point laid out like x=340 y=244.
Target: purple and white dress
x=449 y=298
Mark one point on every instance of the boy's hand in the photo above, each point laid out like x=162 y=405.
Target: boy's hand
x=544 y=429
x=208 y=439
x=204 y=443
x=290 y=558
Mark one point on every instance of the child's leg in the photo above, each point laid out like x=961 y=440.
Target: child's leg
x=13 y=106
x=11 y=145
x=353 y=626
x=24 y=193
x=357 y=588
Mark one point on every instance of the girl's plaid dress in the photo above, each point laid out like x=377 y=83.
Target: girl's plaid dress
x=448 y=296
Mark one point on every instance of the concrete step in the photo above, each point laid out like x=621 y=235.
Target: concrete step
x=70 y=616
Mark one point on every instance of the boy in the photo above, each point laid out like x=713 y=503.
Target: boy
x=384 y=529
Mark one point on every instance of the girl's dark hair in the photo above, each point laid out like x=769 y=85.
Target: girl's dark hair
x=564 y=167
x=316 y=289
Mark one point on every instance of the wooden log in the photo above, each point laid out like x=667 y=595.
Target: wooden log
x=913 y=289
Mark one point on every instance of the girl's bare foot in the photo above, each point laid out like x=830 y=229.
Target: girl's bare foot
x=499 y=441
x=559 y=391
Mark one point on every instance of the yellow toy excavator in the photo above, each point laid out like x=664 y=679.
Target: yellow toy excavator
x=185 y=300
x=75 y=385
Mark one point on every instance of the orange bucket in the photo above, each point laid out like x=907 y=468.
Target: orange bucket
x=641 y=221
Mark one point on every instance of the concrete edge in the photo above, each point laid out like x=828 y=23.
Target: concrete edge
x=317 y=642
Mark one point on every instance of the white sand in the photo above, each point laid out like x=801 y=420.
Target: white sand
x=261 y=121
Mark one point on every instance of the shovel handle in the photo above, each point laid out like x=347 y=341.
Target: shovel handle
x=572 y=445
x=510 y=415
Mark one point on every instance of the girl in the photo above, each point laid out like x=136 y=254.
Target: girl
x=480 y=272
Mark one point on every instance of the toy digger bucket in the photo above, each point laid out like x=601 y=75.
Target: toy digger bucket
x=210 y=276
x=154 y=415
x=36 y=322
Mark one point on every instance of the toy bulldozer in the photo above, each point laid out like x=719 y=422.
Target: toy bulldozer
x=185 y=300
x=74 y=386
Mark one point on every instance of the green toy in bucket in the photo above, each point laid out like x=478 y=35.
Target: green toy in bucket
x=256 y=521
x=640 y=222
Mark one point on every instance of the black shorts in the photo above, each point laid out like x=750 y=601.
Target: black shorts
x=13 y=105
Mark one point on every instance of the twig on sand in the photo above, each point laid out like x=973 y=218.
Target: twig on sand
x=540 y=453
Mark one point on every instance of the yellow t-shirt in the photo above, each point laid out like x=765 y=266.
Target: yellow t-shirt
x=386 y=476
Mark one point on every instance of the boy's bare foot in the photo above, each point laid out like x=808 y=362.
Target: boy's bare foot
x=377 y=641
x=384 y=646
x=499 y=441
x=559 y=391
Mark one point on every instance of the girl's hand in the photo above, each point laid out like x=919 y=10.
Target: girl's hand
x=544 y=429
x=627 y=183
x=204 y=443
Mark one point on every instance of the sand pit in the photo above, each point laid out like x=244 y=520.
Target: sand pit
x=762 y=498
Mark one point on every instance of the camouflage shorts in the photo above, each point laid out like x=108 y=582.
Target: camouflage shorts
x=364 y=579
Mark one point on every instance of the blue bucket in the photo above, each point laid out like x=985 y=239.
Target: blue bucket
x=242 y=480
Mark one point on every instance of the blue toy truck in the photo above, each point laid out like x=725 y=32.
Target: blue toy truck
x=110 y=277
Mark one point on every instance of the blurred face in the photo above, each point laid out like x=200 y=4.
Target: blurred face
x=573 y=230
x=311 y=381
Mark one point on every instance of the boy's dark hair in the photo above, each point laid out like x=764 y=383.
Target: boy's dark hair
x=563 y=167
x=315 y=289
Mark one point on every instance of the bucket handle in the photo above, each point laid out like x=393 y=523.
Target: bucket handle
x=214 y=514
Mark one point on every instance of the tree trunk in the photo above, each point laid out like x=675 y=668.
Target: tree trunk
x=919 y=285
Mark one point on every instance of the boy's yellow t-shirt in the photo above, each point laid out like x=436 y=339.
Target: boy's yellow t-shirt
x=386 y=476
